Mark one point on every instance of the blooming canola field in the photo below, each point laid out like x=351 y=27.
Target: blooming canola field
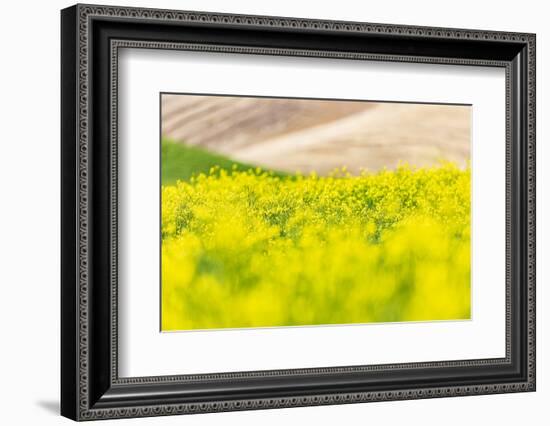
x=250 y=248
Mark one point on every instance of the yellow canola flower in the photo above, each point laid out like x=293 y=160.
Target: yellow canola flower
x=251 y=249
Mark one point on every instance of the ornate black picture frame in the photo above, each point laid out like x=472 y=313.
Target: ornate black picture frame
x=90 y=38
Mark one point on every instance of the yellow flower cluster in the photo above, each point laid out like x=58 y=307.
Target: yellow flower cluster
x=251 y=249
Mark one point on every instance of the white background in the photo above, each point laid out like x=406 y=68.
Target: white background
x=29 y=225
x=146 y=352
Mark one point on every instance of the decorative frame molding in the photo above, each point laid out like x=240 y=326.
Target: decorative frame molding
x=91 y=37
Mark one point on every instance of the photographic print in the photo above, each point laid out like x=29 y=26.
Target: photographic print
x=301 y=212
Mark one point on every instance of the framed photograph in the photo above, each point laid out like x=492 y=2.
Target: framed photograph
x=263 y=212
